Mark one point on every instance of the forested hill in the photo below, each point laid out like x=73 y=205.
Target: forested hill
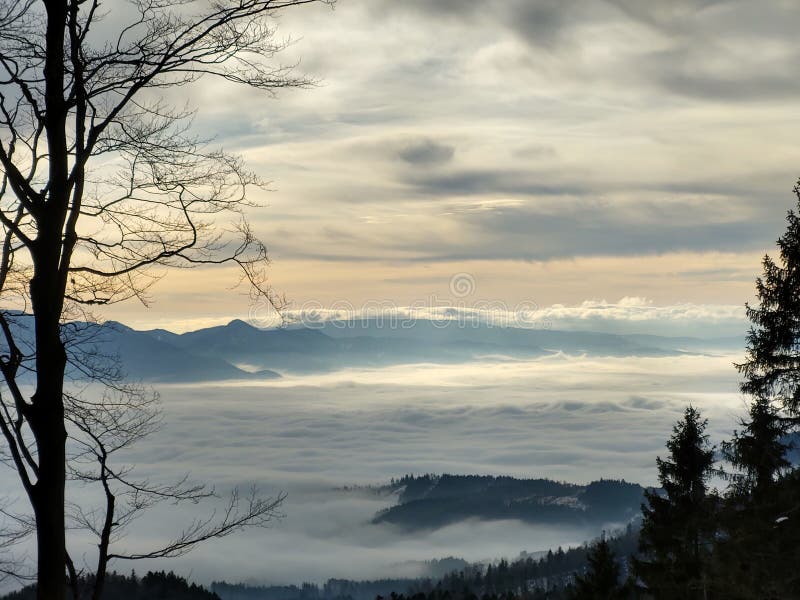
x=431 y=501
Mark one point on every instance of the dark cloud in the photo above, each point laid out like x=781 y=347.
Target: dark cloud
x=452 y=9
x=541 y=23
x=426 y=152
x=599 y=228
x=665 y=15
x=544 y=22
x=549 y=222
x=699 y=35
x=746 y=87
x=492 y=181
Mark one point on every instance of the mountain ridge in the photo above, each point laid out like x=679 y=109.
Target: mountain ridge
x=239 y=350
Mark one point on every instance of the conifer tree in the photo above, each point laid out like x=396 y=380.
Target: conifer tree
x=758 y=451
x=757 y=524
x=677 y=526
x=772 y=365
x=601 y=580
x=771 y=369
x=748 y=552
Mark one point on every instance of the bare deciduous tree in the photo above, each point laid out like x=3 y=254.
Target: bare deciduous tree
x=102 y=181
x=102 y=429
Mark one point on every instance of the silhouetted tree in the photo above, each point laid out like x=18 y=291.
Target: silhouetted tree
x=677 y=527
x=772 y=365
x=77 y=232
x=153 y=586
x=757 y=524
x=758 y=450
x=749 y=547
x=601 y=580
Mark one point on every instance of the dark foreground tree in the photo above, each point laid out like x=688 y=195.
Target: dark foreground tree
x=601 y=581
x=772 y=366
x=758 y=451
x=101 y=181
x=677 y=528
x=752 y=539
x=758 y=524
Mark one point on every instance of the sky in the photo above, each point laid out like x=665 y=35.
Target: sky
x=557 y=152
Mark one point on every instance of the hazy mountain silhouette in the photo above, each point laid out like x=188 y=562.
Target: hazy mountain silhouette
x=374 y=342
x=148 y=357
x=239 y=350
x=138 y=355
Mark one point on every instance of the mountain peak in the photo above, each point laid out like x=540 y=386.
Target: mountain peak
x=240 y=324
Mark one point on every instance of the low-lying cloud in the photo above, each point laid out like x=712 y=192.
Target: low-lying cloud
x=567 y=418
x=628 y=315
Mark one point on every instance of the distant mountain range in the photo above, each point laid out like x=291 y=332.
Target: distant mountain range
x=432 y=502
x=241 y=351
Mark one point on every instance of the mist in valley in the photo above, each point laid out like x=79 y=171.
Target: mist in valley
x=323 y=439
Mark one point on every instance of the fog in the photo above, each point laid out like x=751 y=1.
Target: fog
x=569 y=418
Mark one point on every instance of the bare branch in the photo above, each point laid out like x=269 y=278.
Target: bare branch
x=238 y=515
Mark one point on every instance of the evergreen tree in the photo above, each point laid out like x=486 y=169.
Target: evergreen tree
x=758 y=530
x=677 y=526
x=771 y=369
x=749 y=552
x=601 y=580
x=772 y=365
x=758 y=451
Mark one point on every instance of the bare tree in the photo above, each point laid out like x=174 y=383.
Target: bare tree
x=103 y=429
x=101 y=182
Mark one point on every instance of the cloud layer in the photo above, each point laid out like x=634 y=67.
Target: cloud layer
x=566 y=418
x=629 y=315
x=604 y=139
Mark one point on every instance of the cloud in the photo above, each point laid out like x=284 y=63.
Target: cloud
x=520 y=132
x=492 y=181
x=541 y=23
x=641 y=316
x=573 y=419
x=544 y=23
x=629 y=315
x=426 y=152
x=568 y=418
x=664 y=15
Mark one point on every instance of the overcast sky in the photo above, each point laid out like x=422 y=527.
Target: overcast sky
x=557 y=151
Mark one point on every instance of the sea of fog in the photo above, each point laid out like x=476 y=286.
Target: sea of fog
x=568 y=418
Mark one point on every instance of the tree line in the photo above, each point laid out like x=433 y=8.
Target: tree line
x=154 y=585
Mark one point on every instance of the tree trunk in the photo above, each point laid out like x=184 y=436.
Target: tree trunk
x=47 y=298
x=49 y=512
x=47 y=425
